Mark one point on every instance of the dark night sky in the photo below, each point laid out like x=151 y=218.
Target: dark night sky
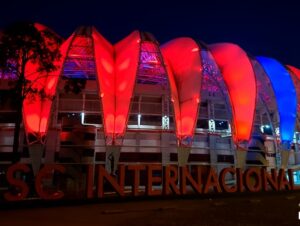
x=264 y=27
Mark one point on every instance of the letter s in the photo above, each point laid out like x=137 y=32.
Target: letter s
x=18 y=183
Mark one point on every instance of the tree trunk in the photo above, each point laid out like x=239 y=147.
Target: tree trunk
x=18 y=122
x=20 y=96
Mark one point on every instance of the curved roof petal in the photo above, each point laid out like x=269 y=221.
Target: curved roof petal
x=37 y=109
x=285 y=96
x=126 y=65
x=295 y=75
x=240 y=80
x=184 y=68
x=104 y=61
x=116 y=66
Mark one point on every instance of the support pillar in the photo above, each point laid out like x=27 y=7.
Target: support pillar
x=36 y=155
x=284 y=152
x=183 y=155
x=241 y=156
x=165 y=148
x=112 y=158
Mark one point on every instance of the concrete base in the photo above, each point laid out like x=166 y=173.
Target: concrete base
x=297 y=158
x=285 y=154
x=36 y=155
x=241 y=155
x=112 y=158
x=183 y=155
x=284 y=159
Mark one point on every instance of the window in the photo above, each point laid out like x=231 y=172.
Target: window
x=7 y=102
x=151 y=120
x=7 y=117
x=202 y=124
x=92 y=119
x=70 y=102
x=133 y=119
x=221 y=125
x=266 y=129
x=69 y=119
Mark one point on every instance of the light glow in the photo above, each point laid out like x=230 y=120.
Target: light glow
x=185 y=74
x=285 y=94
x=240 y=80
x=37 y=109
x=116 y=72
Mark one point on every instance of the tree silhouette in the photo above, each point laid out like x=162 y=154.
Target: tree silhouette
x=21 y=43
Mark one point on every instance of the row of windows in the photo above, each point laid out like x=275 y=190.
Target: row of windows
x=71 y=119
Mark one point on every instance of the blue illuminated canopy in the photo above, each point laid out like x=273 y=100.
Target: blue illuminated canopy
x=285 y=94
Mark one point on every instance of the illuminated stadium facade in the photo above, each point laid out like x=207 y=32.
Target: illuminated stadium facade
x=182 y=103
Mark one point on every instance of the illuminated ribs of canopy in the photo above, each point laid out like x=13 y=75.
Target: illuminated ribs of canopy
x=240 y=80
x=285 y=94
x=37 y=105
x=151 y=65
x=295 y=75
x=212 y=79
x=116 y=70
x=80 y=60
x=183 y=62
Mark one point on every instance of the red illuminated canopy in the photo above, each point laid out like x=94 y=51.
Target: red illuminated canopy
x=126 y=66
x=116 y=67
x=184 y=68
x=116 y=70
x=105 y=66
x=240 y=80
x=37 y=108
x=295 y=71
x=295 y=75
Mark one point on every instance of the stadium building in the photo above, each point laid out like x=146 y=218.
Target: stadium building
x=185 y=103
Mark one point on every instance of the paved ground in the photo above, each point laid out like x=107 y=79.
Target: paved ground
x=260 y=209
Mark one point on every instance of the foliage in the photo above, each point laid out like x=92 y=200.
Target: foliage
x=20 y=44
x=23 y=42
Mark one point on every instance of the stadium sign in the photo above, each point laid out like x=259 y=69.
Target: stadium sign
x=159 y=181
